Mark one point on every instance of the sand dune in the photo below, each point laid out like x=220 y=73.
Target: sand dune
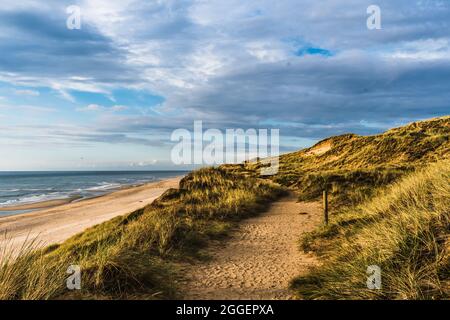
x=56 y=224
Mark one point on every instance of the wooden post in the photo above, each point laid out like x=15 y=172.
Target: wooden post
x=325 y=205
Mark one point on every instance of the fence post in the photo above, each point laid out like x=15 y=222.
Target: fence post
x=325 y=205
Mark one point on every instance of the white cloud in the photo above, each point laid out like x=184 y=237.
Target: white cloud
x=118 y=108
x=268 y=51
x=91 y=107
x=144 y=163
x=97 y=108
x=27 y=108
x=27 y=92
x=429 y=49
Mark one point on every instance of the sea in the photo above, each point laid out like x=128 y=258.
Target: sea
x=18 y=188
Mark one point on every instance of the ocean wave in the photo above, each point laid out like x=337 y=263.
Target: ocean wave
x=26 y=189
x=62 y=186
x=35 y=198
x=104 y=186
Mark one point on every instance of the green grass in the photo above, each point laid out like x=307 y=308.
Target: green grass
x=135 y=256
x=404 y=230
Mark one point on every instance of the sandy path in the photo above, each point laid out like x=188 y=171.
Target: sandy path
x=59 y=223
x=261 y=257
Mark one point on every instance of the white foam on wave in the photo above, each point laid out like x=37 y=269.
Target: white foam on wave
x=35 y=199
x=34 y=195
x=104 y=186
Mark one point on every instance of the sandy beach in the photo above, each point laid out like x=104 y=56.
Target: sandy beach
x=56 y=224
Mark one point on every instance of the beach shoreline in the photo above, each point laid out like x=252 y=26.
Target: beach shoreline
x=57 y=223
x=41 y=204
x=46 y=204
x=24 y=192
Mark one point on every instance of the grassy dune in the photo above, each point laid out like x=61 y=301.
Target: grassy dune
x=390 y=206
x=352 y=167
x=135 y=256
x=404 y=230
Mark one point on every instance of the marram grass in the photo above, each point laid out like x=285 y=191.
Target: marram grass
x=404 y=230
x=133 y=256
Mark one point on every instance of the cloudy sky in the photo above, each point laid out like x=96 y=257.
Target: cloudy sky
x=108 y=96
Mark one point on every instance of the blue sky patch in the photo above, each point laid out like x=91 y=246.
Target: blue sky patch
x=313 y=51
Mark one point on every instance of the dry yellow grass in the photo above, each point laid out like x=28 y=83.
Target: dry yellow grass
x=404 y=230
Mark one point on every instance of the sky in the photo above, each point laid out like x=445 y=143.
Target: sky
x=109 y=95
